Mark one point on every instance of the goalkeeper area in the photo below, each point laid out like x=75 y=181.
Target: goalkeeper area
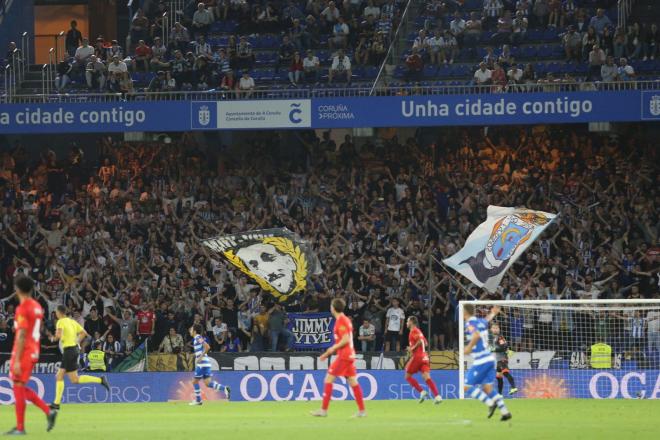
x=533 y=419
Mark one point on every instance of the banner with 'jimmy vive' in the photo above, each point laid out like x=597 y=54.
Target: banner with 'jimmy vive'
x=311 y=331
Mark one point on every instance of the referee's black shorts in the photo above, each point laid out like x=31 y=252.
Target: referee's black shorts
x=70 y=359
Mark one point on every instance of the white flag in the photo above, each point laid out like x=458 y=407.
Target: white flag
x=497 y=243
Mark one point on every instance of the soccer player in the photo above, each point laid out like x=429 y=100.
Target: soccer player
x=481 y=375
x=69 y=332
x=419 y=362
x=203 y=366
x=344 y=364
x=501 y=347
x=25 y=353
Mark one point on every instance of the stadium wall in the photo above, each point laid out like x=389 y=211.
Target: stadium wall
x=322 y=113
x=308 y=385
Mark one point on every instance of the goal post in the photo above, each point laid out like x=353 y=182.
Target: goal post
x=607 y=348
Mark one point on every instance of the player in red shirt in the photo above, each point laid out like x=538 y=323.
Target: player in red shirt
x=419 y=362
x=25 y=353
x=344 y=364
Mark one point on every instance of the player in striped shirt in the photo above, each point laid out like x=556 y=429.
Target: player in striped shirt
x=203 y=366
x=481 y=375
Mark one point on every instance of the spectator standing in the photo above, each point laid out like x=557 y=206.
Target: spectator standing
x=596 y=60
x=73 y=38
x=277 y=328
x=219 y=334
x=473 y=30
x=112 y=350
x=245 y=54
x=143 y=55
x=159 y=55
x=519 y=28
x=146 y=322
x=572 y=45
x=139 y=26
x=340 y=32
x=457 y=27
x=367 y=335
x=394 y=319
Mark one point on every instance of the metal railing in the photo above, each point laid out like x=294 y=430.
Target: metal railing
x=623 y=9
x=391 y=56
x=361 y=92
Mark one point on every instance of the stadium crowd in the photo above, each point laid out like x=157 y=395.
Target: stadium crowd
x=117 y=240
x=238 y=46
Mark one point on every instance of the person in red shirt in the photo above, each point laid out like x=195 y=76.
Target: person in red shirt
x=419 y=362
x=344 y=364
x=146 y=322
x=25 y=353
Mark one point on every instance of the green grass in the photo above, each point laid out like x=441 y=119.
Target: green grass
x=532 y=420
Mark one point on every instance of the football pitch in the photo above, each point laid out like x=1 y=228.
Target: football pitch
x=533 y=420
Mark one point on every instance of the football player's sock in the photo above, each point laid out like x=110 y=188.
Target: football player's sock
x=357 y=392
x=216 y=386
x=89 y=379
x=59 y=390
x=327 y=394
x=19 y=396
x=477 y=393
x=432 y=387
x=499 y=400
x=509 y=377
x=500 y=385
x=413 y=383
x=198 y=392
x=36 y=400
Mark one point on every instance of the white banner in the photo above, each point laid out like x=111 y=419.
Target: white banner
x=280 y=113
x=497 y=243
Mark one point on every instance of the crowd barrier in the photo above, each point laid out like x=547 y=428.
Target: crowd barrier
x=250 y=386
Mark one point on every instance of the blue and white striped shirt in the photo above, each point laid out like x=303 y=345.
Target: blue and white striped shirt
x=481 y=354
x=201 y=360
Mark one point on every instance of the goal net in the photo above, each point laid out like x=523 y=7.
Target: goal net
x=599 y=349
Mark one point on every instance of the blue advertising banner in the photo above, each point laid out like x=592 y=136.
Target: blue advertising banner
x=482 y=109
x=308 y=385
x=311 y=330
x=380 y=111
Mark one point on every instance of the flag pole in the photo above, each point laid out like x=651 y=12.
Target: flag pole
x=446 y=269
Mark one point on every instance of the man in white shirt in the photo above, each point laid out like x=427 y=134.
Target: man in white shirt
x=341 y=65
x=83 y=55
x=117 y=66
x=483 y=75
x=311 y=67
x=330 y=13
x=367 y=335
x=515 y=74
x=394 y=326
x=370 y=9
x=202 y=20
x=219 y=330
x=457 y=27
x=246 y=85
